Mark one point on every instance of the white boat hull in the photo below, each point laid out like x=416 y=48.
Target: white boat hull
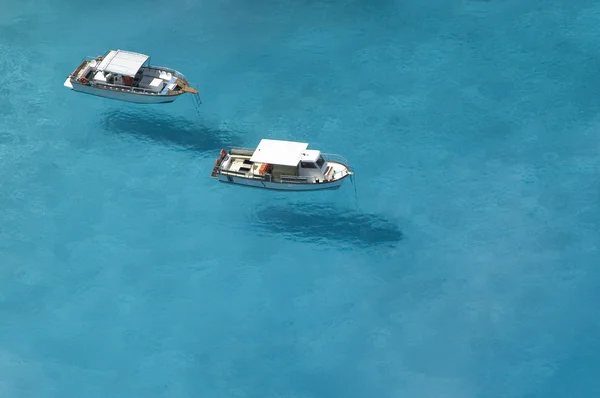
x=299 y=169
x=279 y=186
x=121 y=95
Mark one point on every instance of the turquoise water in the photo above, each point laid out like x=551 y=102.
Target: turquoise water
x=468 y=267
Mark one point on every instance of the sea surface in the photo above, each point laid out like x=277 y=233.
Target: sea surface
x=464 y=262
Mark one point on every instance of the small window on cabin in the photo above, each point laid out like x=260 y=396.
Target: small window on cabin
x=308 y=165
x=320 y=161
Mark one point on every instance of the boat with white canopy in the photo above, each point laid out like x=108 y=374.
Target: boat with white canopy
x=281 y=165
x=128 y=76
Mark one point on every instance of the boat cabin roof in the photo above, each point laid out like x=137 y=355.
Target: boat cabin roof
x=125 y=63
x=283 y=153
x=311 y=155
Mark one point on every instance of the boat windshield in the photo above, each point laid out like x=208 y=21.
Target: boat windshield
x=320 y=161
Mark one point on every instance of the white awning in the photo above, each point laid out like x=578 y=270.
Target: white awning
x=122 y=62
x=284 y=153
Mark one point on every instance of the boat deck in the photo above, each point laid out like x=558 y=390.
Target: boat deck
x=142 y=83
x=241 y=164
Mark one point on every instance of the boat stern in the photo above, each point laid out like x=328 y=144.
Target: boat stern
x=218 y=163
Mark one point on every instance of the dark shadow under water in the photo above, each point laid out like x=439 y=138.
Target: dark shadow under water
x=165 y=129
x=319 y=223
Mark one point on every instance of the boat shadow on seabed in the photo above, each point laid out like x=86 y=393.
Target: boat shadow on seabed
x=166 y=129
x=318 y=223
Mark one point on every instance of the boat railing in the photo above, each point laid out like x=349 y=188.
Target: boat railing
x=284 y=179
x=297 y=179
x=239 y=151
x=335 y=158
x=232 y=172
x=89 y=58
x=172 y=71
x=261 y=177
x=126 y=88
x=82 y=65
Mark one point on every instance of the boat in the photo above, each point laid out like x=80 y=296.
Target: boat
x=128 y=76
x=281 y=165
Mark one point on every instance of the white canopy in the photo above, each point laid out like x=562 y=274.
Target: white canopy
x=122 y=62
x=284 y=153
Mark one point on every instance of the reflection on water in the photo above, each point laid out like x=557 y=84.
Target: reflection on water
x=166 y=129
x=320 y=223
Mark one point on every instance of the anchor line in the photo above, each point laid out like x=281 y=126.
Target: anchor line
x=355 y=194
